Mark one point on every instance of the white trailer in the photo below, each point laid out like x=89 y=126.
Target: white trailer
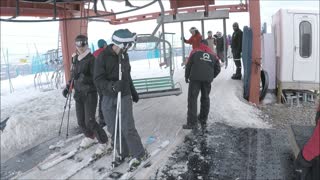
x=296 y=38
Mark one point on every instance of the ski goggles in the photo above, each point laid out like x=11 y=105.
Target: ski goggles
x=81 y=43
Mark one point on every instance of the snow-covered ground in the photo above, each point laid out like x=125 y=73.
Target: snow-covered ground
x=35 y=116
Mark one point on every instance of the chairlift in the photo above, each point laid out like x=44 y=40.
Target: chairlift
x=156 y=86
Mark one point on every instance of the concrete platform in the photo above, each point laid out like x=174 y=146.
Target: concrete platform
x=298 y=137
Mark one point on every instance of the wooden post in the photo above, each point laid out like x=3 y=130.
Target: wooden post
x=254 y=11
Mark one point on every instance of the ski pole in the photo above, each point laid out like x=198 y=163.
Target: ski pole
x=119 y=109
x=70 y=95
x=64 y=110
x=115 y=136
x=118 y=118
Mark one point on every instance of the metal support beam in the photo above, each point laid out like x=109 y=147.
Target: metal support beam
x=69 y=30
x=196 y=16
x=164 y=45
x=254 y=11
x=202 y=29
x=224 y=40
x=182 y=40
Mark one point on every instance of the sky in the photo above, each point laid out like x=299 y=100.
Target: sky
x=23 y=40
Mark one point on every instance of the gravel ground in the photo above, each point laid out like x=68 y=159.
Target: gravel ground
x=281 y=116
x=226 y=152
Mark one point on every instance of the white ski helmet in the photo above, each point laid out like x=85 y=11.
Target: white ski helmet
x=193 y=29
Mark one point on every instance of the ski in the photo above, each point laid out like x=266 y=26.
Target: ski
x=91 y=160
x=127 y=173
x=63 y=155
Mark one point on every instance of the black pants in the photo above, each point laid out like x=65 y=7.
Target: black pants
x=101 y=119
x=237 y=62
x=193 y=92
x=130 y=139
x=86 y=105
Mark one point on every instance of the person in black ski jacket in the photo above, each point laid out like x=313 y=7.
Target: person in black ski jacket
x=201 y=69
x=106 y=76
x=236 y=49
x=85 y=95
x=219 y=42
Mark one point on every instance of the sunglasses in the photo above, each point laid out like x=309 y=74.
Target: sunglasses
x=81 y=43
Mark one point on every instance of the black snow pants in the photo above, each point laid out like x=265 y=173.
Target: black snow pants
x=237 y=62
x=131 y=141
x=86 y=104
x=101 y=119
x=193 y=92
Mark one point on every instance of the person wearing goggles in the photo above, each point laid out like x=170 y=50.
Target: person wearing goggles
x=108 y=83
x=85 y=96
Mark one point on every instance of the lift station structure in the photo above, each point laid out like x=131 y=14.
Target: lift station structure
x=73 y=16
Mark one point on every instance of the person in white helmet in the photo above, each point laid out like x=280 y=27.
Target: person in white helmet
x=195 y=39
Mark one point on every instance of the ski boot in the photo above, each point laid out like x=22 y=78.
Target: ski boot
x=87 y=142
x=236 y=76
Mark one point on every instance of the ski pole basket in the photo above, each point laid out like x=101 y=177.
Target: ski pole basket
x=156 y=87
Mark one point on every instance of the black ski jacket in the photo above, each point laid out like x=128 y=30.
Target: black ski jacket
x=236 y=43
x=219 y=44
x=106 y=72
x=202 y=66
x=82 y=74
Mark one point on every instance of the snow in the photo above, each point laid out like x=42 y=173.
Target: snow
x=35 y=115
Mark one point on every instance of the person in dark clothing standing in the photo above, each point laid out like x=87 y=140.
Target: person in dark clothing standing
x=236 y=46
x=102 y=44
x=219 y=45
x=106 y=76
x=201 y=69
x=86 y=96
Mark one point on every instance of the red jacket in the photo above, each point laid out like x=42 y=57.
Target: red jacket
x=194 y=40
x=312 y=149
x=97 y=52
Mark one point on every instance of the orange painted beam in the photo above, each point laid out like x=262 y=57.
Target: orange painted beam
x=69 y=30
x=255 y=24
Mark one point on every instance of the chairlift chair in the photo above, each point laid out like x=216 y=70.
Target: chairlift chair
x=156 y=86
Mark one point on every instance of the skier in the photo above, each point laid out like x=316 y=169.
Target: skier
x=107 y=81
x=219 y=45
x=201 y=69
x=102 y=44
x=236 y=46
x=210 y=41
x=308 y=160
x=86 y=96
x=195 y=39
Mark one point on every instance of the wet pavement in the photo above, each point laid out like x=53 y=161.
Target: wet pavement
x=226 y=152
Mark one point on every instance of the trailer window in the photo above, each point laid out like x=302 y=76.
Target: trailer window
x=305 y=39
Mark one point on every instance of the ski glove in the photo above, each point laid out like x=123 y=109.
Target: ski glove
x=117 y=86
x=301 y=165
x=135 y=96
x=66 y=91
